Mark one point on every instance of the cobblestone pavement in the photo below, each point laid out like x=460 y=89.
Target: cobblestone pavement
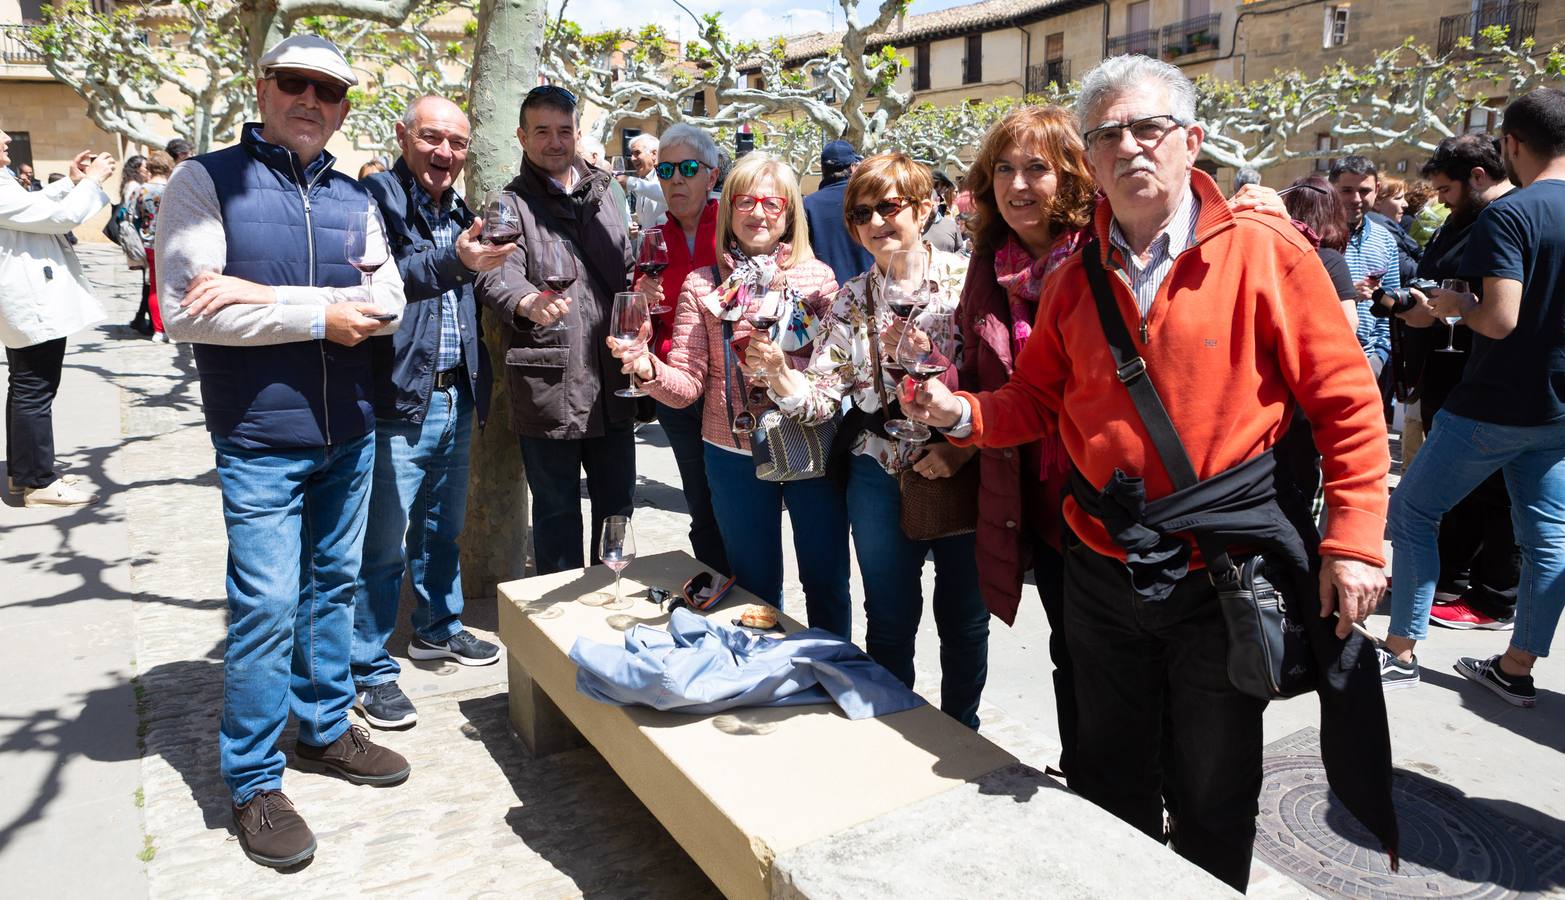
x=138 y=583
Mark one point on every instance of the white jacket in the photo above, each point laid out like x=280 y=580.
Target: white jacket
x=43 y=294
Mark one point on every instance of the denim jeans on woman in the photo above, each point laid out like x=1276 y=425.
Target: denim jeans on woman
x=416 y=511
x=892 y=566
x=295 y=522
x=749 y=514
x=1458 y=455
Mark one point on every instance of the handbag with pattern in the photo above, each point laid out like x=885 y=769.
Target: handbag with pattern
x=783 y=448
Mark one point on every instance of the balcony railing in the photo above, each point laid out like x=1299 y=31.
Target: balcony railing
x=1197 y=35
x=1520 y=17
x=15 y=53
x=1040 y=75
x=1142 y=42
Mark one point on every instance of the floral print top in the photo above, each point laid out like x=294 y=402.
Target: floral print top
x=842 y=367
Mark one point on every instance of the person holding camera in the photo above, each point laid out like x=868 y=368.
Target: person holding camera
x=1479 y=559
x=44 y=298
x=1507 y=413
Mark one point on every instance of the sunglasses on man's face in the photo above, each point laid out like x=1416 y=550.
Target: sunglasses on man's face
x=325 y=91
x=887 y=208
x=685 y=167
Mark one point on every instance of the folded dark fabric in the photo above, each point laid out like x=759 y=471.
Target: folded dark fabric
x=1242 y=508
x=701 y=667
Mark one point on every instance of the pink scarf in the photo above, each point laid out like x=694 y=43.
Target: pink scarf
x=1023 y=277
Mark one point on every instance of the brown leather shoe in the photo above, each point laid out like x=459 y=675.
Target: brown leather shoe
x=355 y=758
x=271 y=832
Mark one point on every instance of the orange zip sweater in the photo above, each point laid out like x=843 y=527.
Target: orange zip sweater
x=1245 y=325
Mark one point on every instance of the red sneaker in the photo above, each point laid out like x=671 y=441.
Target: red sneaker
x=1463 y=617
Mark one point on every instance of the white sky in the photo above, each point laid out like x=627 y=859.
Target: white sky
x=742 y=18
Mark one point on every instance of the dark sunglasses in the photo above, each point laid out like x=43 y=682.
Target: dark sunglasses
x=888 y=208
x=686 y=167
x=552 y=90
x=325 y=91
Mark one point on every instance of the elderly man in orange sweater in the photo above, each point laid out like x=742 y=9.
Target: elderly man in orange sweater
x=1237 y=326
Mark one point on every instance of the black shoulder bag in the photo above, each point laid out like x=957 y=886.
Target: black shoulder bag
x=1252 y=606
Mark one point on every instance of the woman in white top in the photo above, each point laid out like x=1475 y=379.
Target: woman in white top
x=43 y=299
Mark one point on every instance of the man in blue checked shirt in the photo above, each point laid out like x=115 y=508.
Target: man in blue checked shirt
x=431 y=382
x=1372 y=254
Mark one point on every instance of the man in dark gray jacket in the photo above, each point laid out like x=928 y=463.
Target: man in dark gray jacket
x=431 y=382
x=562 y=379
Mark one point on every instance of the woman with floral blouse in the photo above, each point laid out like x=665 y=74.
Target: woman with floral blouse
x=764 y=248
x=886 y=203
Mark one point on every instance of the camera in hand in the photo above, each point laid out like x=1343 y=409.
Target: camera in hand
x=1388 y=302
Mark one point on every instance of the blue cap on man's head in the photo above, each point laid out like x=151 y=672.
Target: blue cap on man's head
x=838 y=155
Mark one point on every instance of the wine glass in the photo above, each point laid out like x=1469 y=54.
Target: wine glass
x=618 y=165
x=363 y=252
x=928 y=347
x=558 y=266
x=651 y=262
x=502 y=224
x=617 y=549
x=907 y=281
x=1455 y=286
x=631 y=325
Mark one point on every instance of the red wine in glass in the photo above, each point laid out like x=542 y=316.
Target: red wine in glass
x=559 y=283
x=926 y=371
x=500 y=236
x=651 y=269
x=368 y=268
x=903 y=307
x=651 y=262
x=765 y=322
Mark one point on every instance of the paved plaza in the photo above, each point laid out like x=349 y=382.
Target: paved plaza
x=114 y=618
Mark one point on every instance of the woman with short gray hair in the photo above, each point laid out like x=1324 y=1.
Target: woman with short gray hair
x=686 y=170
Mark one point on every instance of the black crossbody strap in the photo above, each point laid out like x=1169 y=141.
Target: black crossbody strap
x=728 y=369
x=1132 y=372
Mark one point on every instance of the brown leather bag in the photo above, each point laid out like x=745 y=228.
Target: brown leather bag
x=934 y=508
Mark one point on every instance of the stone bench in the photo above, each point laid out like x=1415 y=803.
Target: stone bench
x=876 y=797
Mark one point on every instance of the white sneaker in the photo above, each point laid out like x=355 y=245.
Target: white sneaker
x=161 y=337
x=15 y=490
x=59 y=493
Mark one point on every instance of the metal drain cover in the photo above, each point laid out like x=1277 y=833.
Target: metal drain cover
x=1451 y=847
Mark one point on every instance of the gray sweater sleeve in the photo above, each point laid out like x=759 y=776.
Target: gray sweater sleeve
x=191 y=240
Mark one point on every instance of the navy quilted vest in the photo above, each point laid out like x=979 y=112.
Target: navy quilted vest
x=285 y=225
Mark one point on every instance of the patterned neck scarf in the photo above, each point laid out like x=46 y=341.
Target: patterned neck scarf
x=1022 y=276
x=751 y=276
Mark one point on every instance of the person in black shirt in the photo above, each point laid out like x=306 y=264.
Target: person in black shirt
x=1508 y=411
x=1480 y=563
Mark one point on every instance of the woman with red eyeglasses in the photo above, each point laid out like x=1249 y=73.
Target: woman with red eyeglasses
x=885 y=206
x=764 y=261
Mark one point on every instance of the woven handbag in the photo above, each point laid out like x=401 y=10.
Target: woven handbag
x=935 y=508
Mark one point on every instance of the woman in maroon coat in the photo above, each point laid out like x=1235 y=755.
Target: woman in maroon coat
x=1032 y=197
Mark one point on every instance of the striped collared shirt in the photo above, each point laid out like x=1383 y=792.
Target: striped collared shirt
x=1172 y=241
x=444 y=229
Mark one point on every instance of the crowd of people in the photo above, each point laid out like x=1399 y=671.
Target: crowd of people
x=1083 y=364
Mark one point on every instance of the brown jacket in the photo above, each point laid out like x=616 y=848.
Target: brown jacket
x=562 y=383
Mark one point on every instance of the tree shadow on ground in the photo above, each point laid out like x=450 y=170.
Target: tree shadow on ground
x=568 y=795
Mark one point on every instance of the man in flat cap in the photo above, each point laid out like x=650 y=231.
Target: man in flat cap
x=255 y=272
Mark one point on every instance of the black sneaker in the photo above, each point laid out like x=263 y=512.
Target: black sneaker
x=385 y=706
x=271 y=832
x=1394 y=673
x=461 y=647
x=1516 y=690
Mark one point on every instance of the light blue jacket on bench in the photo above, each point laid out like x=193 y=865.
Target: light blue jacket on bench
x=701 y=667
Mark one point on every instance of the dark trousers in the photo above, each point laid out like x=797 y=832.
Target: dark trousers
x=34 y=379
x=1477 y=538
x=554 y=470
x=683 y=428
x=1048 y=569
x=1141 y=667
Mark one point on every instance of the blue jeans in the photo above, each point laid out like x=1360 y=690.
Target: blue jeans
x=892 y=567
x=683 y=428
x=295 y=522
x=554 y=467
x=416 y=512
x=1458 y=455
x=749 y=513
